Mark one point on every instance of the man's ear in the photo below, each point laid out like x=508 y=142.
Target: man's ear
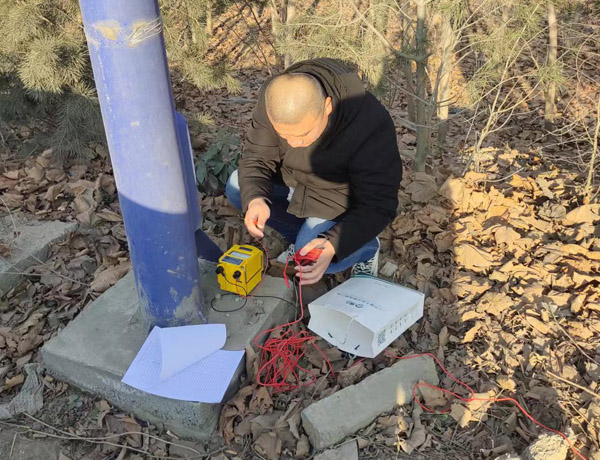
x=328 y=106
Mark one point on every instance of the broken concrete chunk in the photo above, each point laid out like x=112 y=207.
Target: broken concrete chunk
x=347 y=451
x=389 y=269
x=344 y=413
x=549 y=446
x=28 y=244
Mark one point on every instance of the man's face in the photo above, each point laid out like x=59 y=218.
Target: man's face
x=308 y=130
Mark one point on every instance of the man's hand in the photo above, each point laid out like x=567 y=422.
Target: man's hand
x=256 y=217
x=314 y=272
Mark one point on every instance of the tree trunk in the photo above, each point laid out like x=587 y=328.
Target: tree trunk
x=290 y=12
x=592 y=165
x=275 y=20
x=447 y=43
x=422 y=128
x=209 y=18
x=550 y=112
x=408 y=74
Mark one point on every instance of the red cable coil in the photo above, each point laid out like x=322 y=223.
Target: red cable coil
x=280 y=358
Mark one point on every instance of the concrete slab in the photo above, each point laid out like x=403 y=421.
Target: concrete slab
x=95 y=350
x=342 y=414
x=29 y=243
x=347 y=451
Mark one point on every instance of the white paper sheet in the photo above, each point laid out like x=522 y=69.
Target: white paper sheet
x=183 y=346
x=191 y=360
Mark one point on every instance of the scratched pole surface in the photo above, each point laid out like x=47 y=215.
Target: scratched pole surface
x=147 y=141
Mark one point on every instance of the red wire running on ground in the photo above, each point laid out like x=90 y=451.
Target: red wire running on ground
x=472 y=398
x=280 y=356
x=279 y=366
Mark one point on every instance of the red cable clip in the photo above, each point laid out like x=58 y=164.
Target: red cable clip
x=308 y=258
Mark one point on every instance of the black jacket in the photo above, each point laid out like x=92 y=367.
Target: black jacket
x=351 y=174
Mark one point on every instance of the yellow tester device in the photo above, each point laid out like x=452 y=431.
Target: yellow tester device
x=240 y=269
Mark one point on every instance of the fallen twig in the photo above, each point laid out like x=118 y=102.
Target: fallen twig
x=576 y=385
x=104 y=439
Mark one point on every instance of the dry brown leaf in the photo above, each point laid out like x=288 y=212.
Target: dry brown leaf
x=444 y=241
x=388 y=420
x=461 y=414
x=109 y=216
x=83 y=203
x=5 y=249
x=423 y=187
x=418 y=436
x=352 y=375
x=506 y=383
x=294 y=422
x=14 y=175
x=14 y=381
x=471 y=315
x=587 y=213
x=579 y=279
x=454 y=190
x=434 y=397
x=104 y=409
x=474 y=177
x=581 y=232
x=227 y=418
x=467 y=284
x=228 y=211
x=110 y=276
x=506 y=235
x=580 y=330
x=36 y=173
x=12 y=200
x=552 y=211
x=518 y=181
x=538 y=325
x=531 y=292
x=134 y=438
x=265 y=423
x=560 y=299
x=443 y=337
x=471 y=333
x=55 y=175
x=220 y=456
x=480 y=404
x=251 y=363
x=473 y=258
x=53 y=192
x=261 y=401
x=302 y=447
x=81 y=186
x=495 y=303
x=32 y=320
x=269 y=446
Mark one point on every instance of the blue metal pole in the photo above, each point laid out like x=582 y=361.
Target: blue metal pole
x=159 y=207
x=206 y=248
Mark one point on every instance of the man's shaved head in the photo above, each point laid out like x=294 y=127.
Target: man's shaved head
x=291 y=97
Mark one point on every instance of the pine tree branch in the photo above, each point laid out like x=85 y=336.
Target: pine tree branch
x=384 y=40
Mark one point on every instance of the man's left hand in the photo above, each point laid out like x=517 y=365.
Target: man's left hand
x=315 y=271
